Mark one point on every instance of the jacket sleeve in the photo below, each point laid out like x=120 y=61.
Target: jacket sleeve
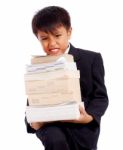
x=28 y=127
x=99 y=99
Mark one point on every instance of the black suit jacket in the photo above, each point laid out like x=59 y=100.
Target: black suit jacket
x=93 y=92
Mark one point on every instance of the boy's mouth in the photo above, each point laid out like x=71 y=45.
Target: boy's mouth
x=54 y=51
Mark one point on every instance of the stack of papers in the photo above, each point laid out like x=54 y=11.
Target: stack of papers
x=50 y=84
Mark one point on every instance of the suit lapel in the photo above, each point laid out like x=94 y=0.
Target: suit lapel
x=73 y=51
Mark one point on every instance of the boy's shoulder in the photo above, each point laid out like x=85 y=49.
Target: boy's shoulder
x=87 y=52
x=84 y=52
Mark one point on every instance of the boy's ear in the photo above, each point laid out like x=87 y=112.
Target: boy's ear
x=70 y=32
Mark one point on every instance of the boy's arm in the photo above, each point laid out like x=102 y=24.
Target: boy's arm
x=28 y=127
x=99 y=99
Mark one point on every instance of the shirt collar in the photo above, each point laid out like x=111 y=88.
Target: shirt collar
x=68 y=48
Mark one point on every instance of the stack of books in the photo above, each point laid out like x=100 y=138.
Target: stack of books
x=53 y=88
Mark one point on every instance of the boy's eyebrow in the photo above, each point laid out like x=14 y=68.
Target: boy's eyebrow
x=57 y=31
x=43 y=34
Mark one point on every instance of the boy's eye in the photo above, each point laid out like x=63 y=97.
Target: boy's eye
x=44 y=38
x=58 y=35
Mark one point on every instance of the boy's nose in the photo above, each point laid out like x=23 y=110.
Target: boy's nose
x=52 y=42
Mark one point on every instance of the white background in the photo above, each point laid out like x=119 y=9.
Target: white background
x=97 y=26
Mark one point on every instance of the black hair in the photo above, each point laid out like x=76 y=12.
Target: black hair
x=48 y=18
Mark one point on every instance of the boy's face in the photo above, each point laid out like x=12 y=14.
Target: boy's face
x=56 y=42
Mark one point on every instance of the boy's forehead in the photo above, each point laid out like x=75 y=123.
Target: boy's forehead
x=54 y=29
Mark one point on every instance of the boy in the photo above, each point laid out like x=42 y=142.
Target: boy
x=52 y=27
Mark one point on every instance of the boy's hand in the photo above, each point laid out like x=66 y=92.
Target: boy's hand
x=84 y=117
x=36 y=125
